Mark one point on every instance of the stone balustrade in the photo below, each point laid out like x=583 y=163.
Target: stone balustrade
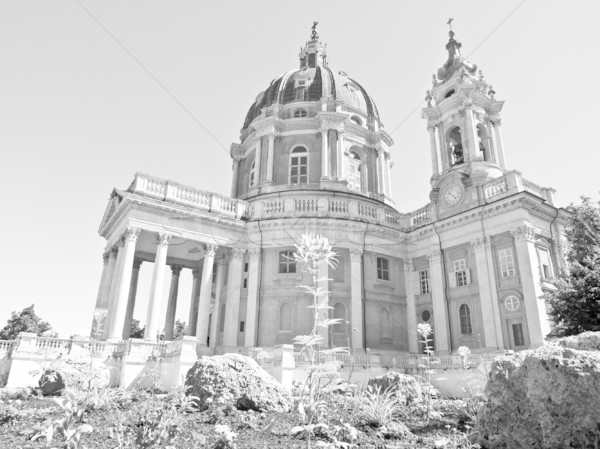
x=512 y=182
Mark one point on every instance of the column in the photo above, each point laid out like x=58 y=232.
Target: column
x=411 y=307
x=323 y=300
x=257 y=159
x=121 y=294
x=438 y=297
x=135 y=274
x=341 y=169
x=214 y=330
x=194 y=300
x=270 y=156
x=471 y=135
x=156 y=289
x=172 y=304
x=442 y=147
x=232 y=308
x=388 y=176
x=535 y=308
x=97 y=320
x=435 y=170
x=492 y=143
x=324 y=154
x=488 y=296
x=253 y=295
x=102 y=314
x=356 y=302
x=498 y=142
x=234 y=182
x=205 y=296
x=380 y=181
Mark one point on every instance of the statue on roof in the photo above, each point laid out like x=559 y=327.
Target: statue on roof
x=313 y=35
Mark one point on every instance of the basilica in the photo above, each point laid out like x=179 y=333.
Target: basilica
x=313 y=156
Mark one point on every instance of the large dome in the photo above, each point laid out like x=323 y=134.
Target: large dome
x=311 y=84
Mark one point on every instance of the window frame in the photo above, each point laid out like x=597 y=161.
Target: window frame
x=465 y=319
x=424 y=286
x=461 y=272
x=383 y=269
x=294 y=154
x=300 y=113
x=251 y=175
x=291 y=317
x=286 y=259
x=506 y=263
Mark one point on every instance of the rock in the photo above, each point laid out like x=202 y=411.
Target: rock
x=544 y=398
x=51 y=383
x=237 y=380
x=406 y=387
x=79 y=371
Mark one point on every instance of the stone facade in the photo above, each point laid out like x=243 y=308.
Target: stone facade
x=313 y=157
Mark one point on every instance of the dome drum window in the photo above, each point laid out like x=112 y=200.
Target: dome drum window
x=299 y=113
x=299 y=166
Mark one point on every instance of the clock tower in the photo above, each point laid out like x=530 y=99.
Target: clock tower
x=463 y=121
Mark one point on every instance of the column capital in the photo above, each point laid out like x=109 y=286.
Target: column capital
x=137 y=263
x=435 y=256
x=196 y=273
x=163 y=238
x=106 y=256
x=254 y=253
x=409 y=264
x=479 y=243
x=211 y=249
x=176 y=269
x=356 y=253
x=237 y=253
x=131 y=234
x=524 y=233
x=114 y=250
x=496 y=122
x=221 y=259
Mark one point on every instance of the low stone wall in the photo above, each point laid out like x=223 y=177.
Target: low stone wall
x=137 y=363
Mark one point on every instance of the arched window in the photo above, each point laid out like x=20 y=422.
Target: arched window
x=449 y=93
x=465 y=320
x=299 y=166
x=339 y=312
x=251 y=180
x=285 y=317
x=484 y=143
x=354 y=172
x=300 y=113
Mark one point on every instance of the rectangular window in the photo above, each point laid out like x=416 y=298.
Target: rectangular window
x=518 y=336
x=507 y=264
x=460 y=271
x=245 y=283
x=424 y=281
x=299 y=170
x=246 y=267
x=383 y=269
x=545 y=263
x=242 y=326
x=287 y=263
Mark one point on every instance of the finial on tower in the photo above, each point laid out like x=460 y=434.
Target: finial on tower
x=313 y=35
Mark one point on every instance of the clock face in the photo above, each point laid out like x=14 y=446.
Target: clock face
x=453 y=195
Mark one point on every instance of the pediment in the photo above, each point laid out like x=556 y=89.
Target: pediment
x=111 y=208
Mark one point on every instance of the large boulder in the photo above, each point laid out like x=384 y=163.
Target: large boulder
x=405 y=387
x=545 y=398
x=237 y=380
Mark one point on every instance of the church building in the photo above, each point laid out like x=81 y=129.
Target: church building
x=314 y=157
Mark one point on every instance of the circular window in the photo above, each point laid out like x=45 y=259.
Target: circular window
x=511 y=303
x=425 y=315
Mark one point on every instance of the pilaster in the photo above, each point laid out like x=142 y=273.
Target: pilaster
x=232 y=308
x=440 y=308
x=411 y=307
x=356 y=301
x=252 y=301
x=324 y=153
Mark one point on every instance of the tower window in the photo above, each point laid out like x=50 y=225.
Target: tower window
x=465 y=320
x=449 y=93
x=356 y=120
x=506 y=261
x=383 y=269
x=299 y=166
x=299 y=113
x=287 y=263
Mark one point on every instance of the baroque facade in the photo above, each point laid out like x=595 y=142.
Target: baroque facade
x=314 y=157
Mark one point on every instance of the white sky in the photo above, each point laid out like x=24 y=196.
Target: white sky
x=79 y=115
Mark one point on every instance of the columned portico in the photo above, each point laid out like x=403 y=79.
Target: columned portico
x=172 y=304
x=232 y=308
x=122 y=284
x=205 y=296
x=154 y=305
x=135 y=274
x=194 y=300
x=356 y=301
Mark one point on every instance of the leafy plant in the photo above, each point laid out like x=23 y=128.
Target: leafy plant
x=377 y=407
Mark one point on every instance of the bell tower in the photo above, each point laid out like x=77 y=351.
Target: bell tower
x=463 y=121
